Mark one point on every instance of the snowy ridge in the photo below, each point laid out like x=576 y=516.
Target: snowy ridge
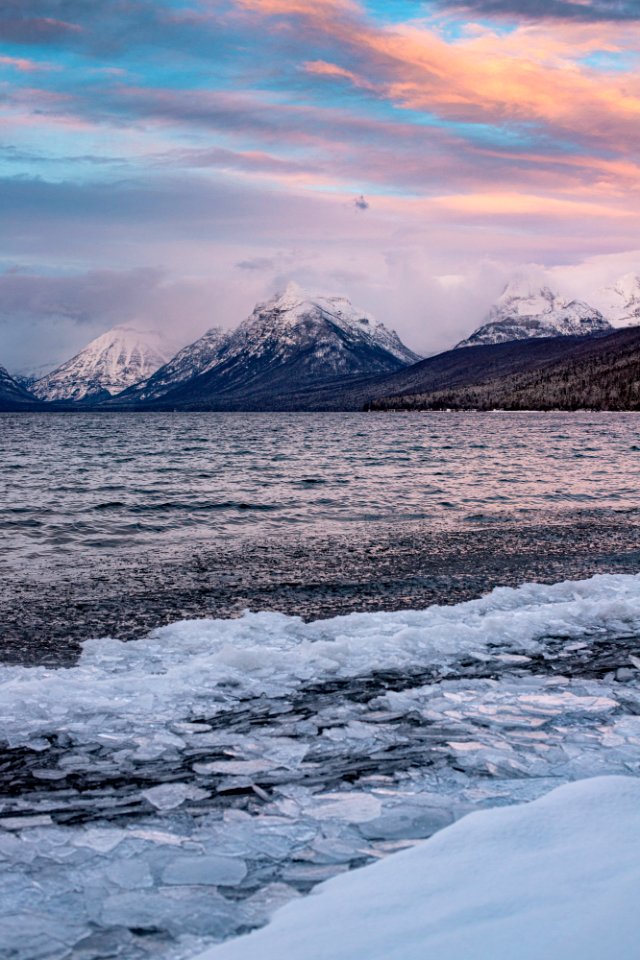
x=286 y=315
x=191 y=361
x=557 y=878
x=621 y=302
x=526 y=309
x=176 y=789
x=110 y=363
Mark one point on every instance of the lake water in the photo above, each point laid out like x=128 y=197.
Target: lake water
x=76 y=487
x=164 y=789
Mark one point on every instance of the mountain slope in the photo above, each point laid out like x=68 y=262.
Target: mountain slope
x=601 y=373
x=193 y=360
x=525 y=310
x=13 y=396
x=450 y=369
x=290 y=343
x=110 y=363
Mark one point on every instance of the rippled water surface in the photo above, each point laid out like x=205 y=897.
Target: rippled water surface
x=86 y=483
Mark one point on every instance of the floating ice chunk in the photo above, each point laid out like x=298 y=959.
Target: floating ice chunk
x=100 y=839
x=38 y=744
x=107 y=944
x=312 y=872
x=13 y=849
x=23 y=823
x=259 y=907
x=160 y=837
x=174 y=910
x=352 y=807
x=53 y=774
x=337 y=849
x=406 y=822
x=233 y=767
x=132 y=874
x=168 y=796
x=36 y=936
x=285 y=751
x=216 y=871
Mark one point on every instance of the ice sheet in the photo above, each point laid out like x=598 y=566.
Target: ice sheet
x=171 y=792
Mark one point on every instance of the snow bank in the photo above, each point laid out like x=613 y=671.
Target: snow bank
x=556 y=879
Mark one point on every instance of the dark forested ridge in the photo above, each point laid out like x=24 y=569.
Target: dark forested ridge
x=594 y=374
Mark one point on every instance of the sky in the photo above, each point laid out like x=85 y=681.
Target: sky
x=168 y=163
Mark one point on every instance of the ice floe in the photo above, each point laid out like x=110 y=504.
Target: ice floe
x=171 y=792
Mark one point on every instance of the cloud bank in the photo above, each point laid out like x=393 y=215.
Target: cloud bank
x=201 y=152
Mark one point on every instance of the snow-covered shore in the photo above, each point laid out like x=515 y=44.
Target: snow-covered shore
x=555 y=879
x=167 y=794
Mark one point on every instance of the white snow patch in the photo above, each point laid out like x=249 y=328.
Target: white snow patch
x=557 y=878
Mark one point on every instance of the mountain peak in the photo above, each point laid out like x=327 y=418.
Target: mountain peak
x=292 y=294
x=108 y=364
x=525 y=287
x=192 y=361
x=292 y=342
x=628 y=286
x=297 y=315
x=527 y=309
x=13 y=394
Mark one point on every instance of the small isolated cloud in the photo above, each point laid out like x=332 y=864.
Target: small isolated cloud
x=361 y=203
x=257 y=263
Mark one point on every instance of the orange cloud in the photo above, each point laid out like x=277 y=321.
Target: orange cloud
x=522 y=204
x=533 y=74
x=493 y=79
x=322 y=68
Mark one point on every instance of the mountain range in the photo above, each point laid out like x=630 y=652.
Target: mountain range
x=291 y=342
x=299 y=351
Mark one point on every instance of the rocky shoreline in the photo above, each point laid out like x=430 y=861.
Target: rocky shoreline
x=45 y=618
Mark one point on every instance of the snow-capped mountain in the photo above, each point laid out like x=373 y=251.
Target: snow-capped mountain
x=329 y=329
x=110 y=363
x=291 y=342
x=525 y=310
x=621 y=301
x=191 y=361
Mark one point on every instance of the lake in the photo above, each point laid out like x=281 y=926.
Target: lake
x=245 y=653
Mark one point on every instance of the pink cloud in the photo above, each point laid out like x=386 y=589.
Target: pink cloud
x=24 y=65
